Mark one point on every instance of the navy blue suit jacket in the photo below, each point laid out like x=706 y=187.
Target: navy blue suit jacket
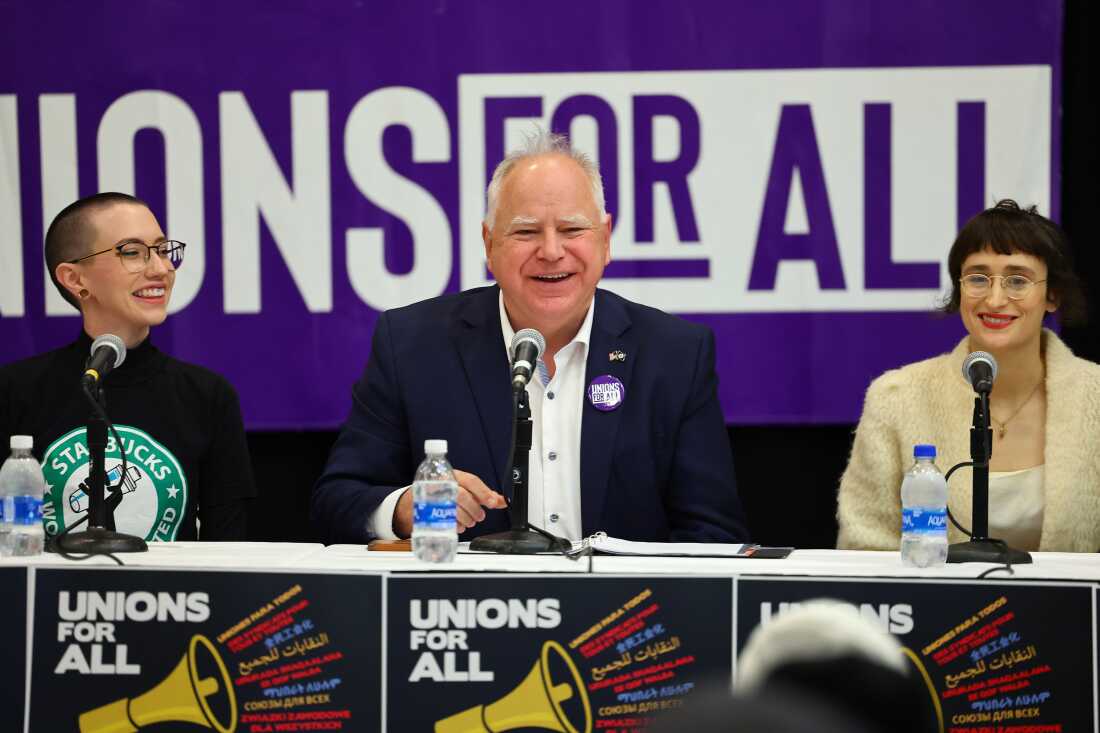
x=658 y=468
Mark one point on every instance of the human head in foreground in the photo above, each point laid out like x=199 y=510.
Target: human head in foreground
x=822 y=667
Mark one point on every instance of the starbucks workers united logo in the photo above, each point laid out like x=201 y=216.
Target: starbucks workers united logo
x=154 y=489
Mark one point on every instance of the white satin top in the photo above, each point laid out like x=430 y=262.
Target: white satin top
x=1016 y=500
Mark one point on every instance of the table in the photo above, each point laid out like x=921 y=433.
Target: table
x=255 y=636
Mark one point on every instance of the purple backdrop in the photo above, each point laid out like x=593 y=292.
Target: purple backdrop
x=793 y=351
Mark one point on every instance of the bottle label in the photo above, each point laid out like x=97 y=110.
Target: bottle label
x=435 y=516
x=923 y=520
x=26 y=510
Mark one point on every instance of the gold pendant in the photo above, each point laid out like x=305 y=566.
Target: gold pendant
x=1001 y=432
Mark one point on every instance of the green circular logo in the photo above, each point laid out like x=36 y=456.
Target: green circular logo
x=154 y=489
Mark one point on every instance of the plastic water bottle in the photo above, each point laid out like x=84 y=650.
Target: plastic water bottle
x=435 y=491
x=21 y=488
x=924 y=511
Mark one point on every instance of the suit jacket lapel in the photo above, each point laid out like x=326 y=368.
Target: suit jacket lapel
x=480 y=343
x=610 y=332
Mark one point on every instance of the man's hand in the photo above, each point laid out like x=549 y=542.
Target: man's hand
x=473 y=494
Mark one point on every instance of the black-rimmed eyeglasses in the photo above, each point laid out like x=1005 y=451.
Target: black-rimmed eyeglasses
x=135 y=255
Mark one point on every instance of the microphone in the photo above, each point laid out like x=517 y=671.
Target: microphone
x=526 y=347
x=979 y=370
x=108 y=352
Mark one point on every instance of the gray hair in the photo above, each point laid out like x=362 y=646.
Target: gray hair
x=542 y=142
x=818 y=630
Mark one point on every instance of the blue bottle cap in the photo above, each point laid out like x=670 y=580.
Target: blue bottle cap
x=924 y=450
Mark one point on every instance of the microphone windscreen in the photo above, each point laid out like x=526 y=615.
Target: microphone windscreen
x=529 y=335
x=976 y=357
x=109 y=339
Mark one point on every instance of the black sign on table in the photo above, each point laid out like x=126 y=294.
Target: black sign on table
x=996 y=657
x=468 y=654
x=183 y=650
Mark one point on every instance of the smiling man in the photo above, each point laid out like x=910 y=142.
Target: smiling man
x=188 y=475
x=628 y=436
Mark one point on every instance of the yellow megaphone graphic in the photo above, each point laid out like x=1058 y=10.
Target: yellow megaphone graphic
x=933 y=695
x=181 y=696
x=534 y=703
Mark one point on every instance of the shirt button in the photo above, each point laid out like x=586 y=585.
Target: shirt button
x=554 y=517
x=549 y=395
x=553 y=456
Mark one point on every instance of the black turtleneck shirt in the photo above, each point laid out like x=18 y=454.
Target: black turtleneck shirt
x=188 y=474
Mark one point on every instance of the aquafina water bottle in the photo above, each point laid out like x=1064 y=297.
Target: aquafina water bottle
x=21 y=489
x=924 y=511
x=435 y=491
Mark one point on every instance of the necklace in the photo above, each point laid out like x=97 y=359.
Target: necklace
x=1002 y=425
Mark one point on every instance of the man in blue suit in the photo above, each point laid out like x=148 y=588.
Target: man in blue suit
x=628 y=435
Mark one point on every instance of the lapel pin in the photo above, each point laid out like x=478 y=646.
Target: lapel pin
x=606 y=393
x=617 y=356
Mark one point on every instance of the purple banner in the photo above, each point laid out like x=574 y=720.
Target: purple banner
x=790 y=175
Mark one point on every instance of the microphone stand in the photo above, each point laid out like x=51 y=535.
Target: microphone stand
x=523 y=538
x=100 y=538
x=981 y=547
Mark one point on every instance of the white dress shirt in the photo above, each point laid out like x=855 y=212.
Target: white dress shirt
x=554 y=475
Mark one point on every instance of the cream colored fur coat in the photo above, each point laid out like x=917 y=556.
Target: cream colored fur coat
x=928 y=402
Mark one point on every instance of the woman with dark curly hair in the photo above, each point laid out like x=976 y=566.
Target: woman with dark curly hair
x=1010 y=267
